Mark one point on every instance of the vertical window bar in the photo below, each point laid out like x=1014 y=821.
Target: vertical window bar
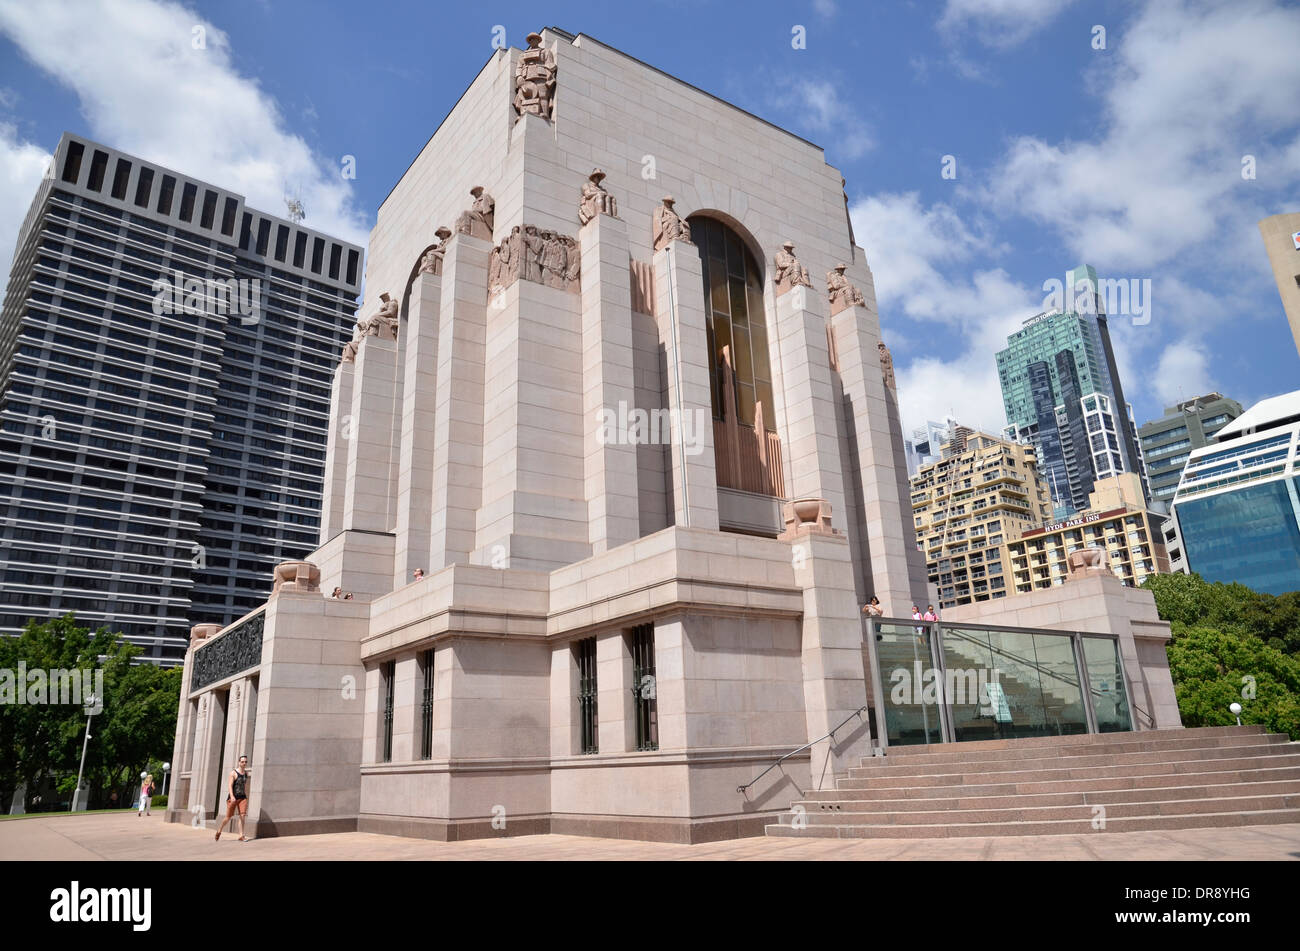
x=389 y=669
x=426 y=708
x=587 y=693
x=645 y=687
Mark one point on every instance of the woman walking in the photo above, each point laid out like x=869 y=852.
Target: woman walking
x=236 y=797
x=146 y=793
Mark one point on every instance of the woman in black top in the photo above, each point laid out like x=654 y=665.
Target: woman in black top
x=236 y=797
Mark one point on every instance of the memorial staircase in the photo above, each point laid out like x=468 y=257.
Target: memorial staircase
x=1211 y=777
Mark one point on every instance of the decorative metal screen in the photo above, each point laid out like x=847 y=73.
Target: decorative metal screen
x=389 y=668
x=426 y=707
x=232 y=653
x=586 y=654
x=644 y=687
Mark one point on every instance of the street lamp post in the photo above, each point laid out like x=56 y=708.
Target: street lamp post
x=90 y=712
x=1235 y=710
x=167 y=768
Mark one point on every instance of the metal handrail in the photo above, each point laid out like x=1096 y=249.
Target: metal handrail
x=856 y=713
x=1151 y=721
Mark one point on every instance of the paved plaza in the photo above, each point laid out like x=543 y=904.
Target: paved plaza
x=130 y=838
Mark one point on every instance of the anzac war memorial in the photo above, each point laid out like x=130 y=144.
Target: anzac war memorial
x=614 y=462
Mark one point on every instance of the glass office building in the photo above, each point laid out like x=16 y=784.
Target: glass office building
x=1061 y=391
x=166 y=355
x=1237 y=508
x=1168 y=442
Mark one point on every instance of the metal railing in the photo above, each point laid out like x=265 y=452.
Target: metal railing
x=856 y=713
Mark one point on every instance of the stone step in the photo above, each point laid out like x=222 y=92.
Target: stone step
x=1015 y=812
x=952 y=752
x=1118 y=783
x=910 y=768
x=1075 y=739
x=1042 y=827
x=842 y=806
x=954 y=776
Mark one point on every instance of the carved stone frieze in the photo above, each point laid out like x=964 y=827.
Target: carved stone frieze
x=239 y=649
x=533 y=254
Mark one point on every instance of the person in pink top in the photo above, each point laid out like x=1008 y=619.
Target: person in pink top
x=930 y=614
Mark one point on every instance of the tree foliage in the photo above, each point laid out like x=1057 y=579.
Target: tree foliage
x=44 y=741
x=1231 y=644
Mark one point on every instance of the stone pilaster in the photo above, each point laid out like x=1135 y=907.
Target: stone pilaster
x=809 y=404
x=608 y=381
x=534 y=514
x=368 y=502
x=615 y=726
x=897 y=569
x=458 y=412
x=415 y=460
x=336 y=452
x=566 y=729
x=679 y=309
x=834 y=679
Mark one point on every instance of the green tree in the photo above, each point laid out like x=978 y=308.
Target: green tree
x=1223 y=633
x=138 y=719
x=1214 y=668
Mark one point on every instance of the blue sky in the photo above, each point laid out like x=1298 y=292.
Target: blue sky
x=1128 y=157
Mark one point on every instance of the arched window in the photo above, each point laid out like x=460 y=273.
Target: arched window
x=737 y=330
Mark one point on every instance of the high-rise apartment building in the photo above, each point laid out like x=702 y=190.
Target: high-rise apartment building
x=1116 y=520
x=1062 y=392
x=166 y=354
x=1281 y=234
x=1169 y=441
x=1237 y=509
x=929 y=442
x=983 y=492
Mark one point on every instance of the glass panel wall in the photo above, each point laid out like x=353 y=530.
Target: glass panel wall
x=1106 y=685
x=911 y=683
x=993 y=683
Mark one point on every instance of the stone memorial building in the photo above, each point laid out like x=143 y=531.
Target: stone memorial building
x=614 y=463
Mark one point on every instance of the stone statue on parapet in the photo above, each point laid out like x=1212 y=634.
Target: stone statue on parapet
x=840 y=292
x=382 y=323
x=789 y=272
x=887 y=365
x=477 y=221
x=431 y=263
x=535 y=80
x=595 y=199
x=668 y=226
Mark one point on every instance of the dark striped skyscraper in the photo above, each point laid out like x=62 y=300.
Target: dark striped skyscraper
x=165 y=362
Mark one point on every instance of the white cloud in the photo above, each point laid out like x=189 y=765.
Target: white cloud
x=1183 y=371
x=998 y=23
x=825 y=8
x=144 y=89
x=917 y=255
x=1195 y=88
x=22 y=165
x=823 y=113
